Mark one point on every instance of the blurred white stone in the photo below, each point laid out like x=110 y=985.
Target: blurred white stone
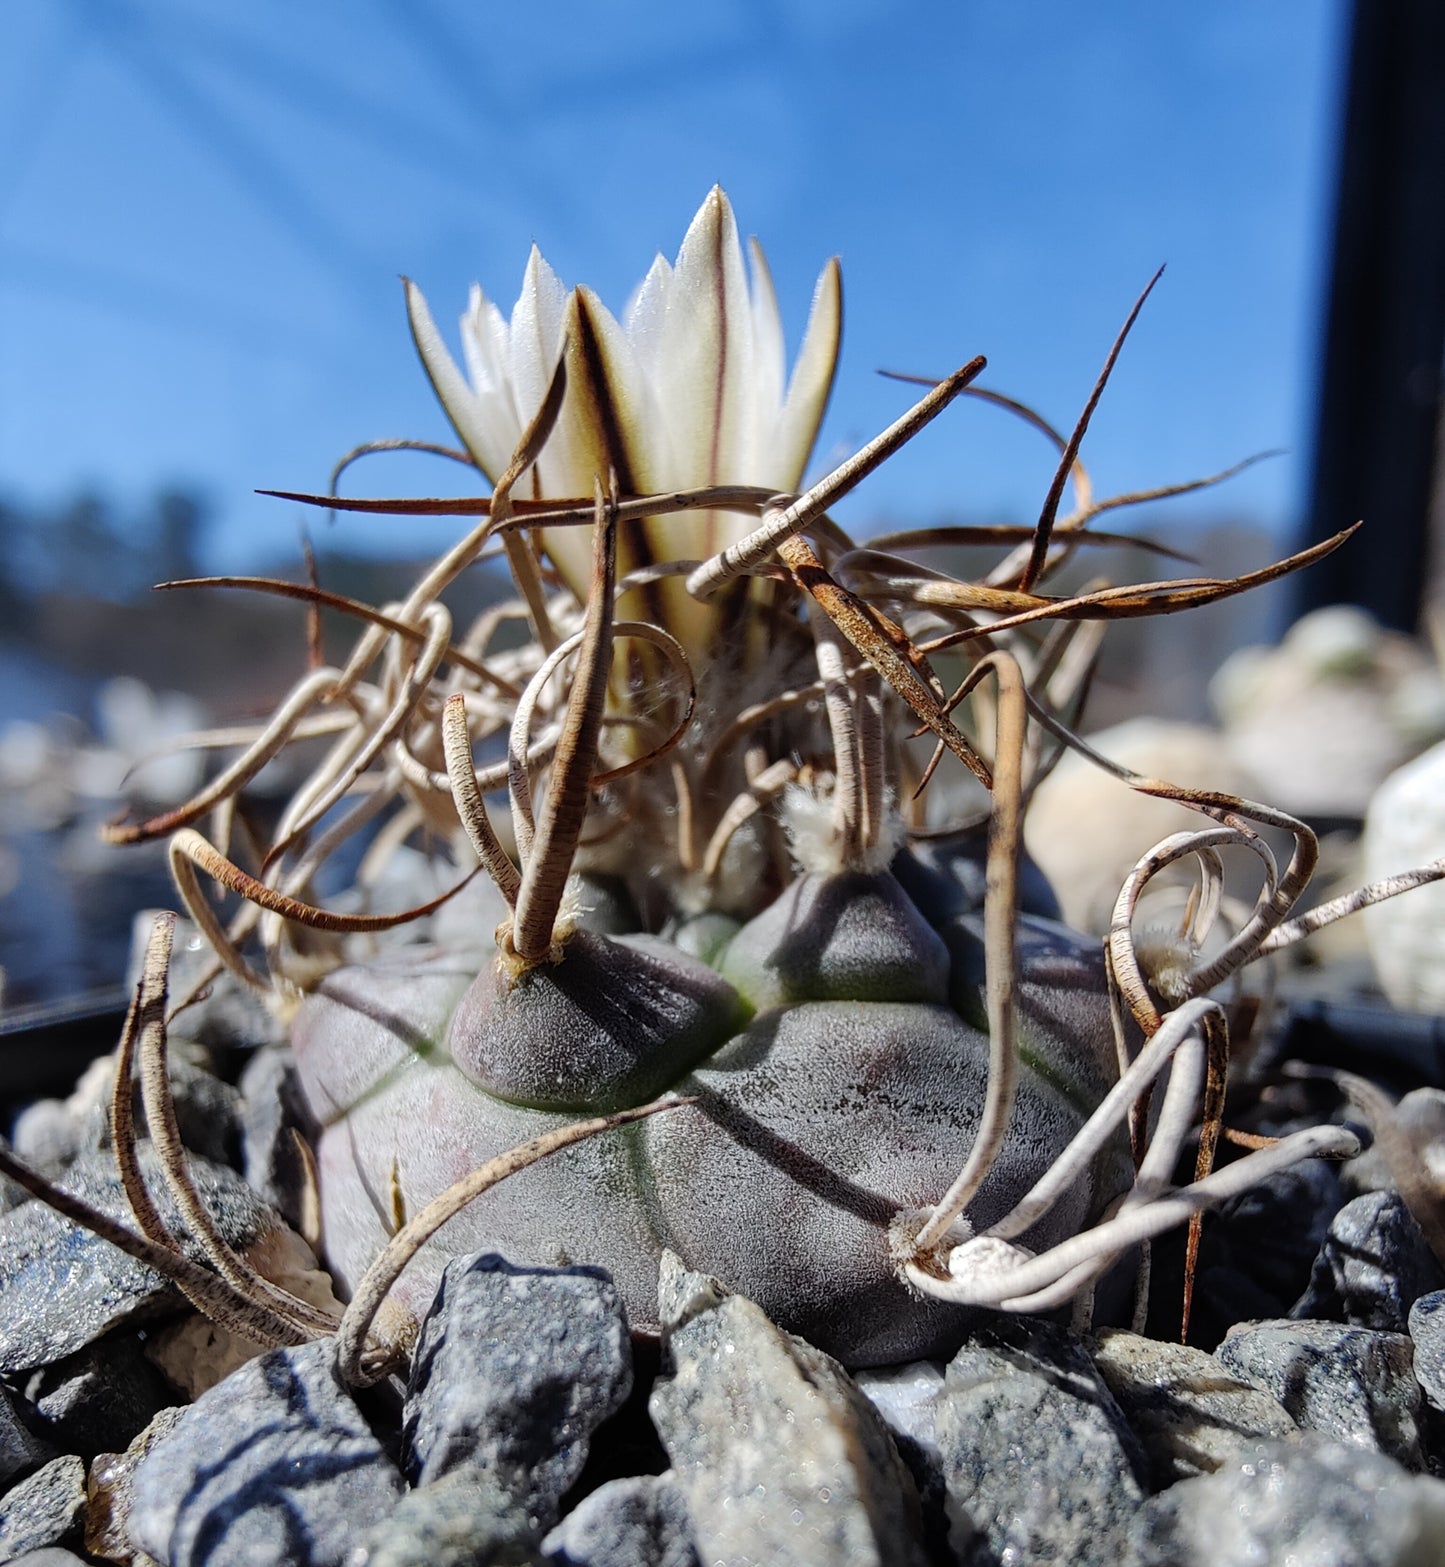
x=1087 y=830
x=1404 y=829
x=136 y=758
x=26 y=753
x=1324 y=717
x=36 y=762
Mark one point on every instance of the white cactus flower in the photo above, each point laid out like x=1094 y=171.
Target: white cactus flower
x=689 y=389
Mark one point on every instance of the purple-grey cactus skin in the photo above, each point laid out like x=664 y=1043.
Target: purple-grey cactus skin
x=835 y=1049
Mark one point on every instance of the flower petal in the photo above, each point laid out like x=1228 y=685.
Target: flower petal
x=534 y=342
x=705 y=363
x=484 y=347
x=489 y=430
x=768 y=366
x=602 y=428
x=812 y=380
x=646 y=314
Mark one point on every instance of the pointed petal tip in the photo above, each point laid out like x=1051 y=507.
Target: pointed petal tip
x=712 y=223
x=588 y=305
x=832 y=273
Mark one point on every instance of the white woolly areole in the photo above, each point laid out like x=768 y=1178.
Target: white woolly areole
x=907 y=1224
x=820 y=849
x=983 y=1261
x=1168 y=961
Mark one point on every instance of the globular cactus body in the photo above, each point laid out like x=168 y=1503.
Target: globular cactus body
x=838 y=1069
x=711 y=725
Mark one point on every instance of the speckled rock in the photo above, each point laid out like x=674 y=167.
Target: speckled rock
x=638 y=1522
x=61 y=1287
x=100 y=1397
x=460 y=1520
x=779 y=1456
x=1190 y=1415
x=1375 y=1263
x=1038 y=1459
x=1427 y=1333
x=1353 y=1385
x=514 y=1370
x=111 y=1498
x=46 y=1509
x=20 y=1449
x=907 y=1398
x=275 y=1464
x=1280 y=1504
x=46 y=1136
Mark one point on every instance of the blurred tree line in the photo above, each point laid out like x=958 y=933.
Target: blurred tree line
x=75 y=580
x=89 y=548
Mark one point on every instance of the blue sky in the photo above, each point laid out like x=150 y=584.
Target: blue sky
x=204 y=209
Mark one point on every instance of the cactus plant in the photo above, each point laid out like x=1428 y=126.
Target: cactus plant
x=729 y=918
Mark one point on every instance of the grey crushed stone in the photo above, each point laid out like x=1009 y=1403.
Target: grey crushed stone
x=1374 y=1264
x=98 y=1398
x=460 y=1520
x=1038 y=1459
x=1353 y=1385
x=1427 y=1333
x=514 y=1369
x=20 y=1449
x=1317 y=1502
x=276 y=1463
x=46 y=1136
x=906 y=1397
x=46 y=1509
x=638 y=1522
x=1191 y=1415
x=48 y=1556
x=1260 y=1248
x=61 y=1287
x=780 y=1458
